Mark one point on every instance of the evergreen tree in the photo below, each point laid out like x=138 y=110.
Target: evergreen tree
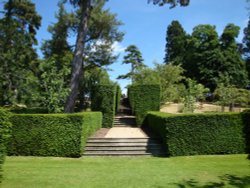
x=246 y=47
x=18 y=28
x=175 y=44
x=233 y=66
x=134 y=58
x=85 y=10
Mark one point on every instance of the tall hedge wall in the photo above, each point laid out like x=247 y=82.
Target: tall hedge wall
x=104 y=99
x=62 y=135
x=198 y=134
x=118 y=98
x=143 y=98
x=4 y=133
x=246 y=120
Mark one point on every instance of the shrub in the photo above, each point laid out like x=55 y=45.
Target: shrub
x=143 y=98
x=4 y=133
x=61 y=135
x=200 y=134
x=104 y=99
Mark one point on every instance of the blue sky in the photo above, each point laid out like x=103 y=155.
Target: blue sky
x=145 y=24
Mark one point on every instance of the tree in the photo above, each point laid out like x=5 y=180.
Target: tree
x=246 y=47
x=18 y=28
x=204 y=60
x=133 y=57
x=175 y=44
x=77 y=68
x=233 y=66
x=194 y=92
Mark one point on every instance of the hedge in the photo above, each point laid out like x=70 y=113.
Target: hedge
x=201 y=134
x=103 y=98
x=246 y=120
x=118 y=98
x=60 y=135
x=4 y=133
x=143 y=98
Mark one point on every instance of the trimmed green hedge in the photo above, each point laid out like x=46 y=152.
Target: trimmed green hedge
x=103 y=98
x=143 y=98
x=61 y=135
x=246 y=120
x=118 y=98
x=4 y=134
x=200 y=134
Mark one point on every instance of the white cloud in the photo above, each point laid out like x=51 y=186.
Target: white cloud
x=117 y=48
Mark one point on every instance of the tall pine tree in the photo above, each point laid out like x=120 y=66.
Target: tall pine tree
x=134 y=58
x=175 y=44
x=18 y=28
x=246 y=47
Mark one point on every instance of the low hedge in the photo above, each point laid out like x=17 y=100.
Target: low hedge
x=143 y=98
x=103 y=99
x=61 y=135
x=4 y=134
x=201 y=134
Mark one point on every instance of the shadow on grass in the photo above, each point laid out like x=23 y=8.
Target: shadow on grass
x=225 y=181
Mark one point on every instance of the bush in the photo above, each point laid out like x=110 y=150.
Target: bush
x=61 y=135
x=104 y=99
x=200 y=134
x=4 y=133
x=143 y=98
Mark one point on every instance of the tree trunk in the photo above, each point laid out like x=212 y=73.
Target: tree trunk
x=77 y=64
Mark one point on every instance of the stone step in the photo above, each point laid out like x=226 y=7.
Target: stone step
x=124 y=148
x=122 y=153
x=120 y=144
x=124 y=140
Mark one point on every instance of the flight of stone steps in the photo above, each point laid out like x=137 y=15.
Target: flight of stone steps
x=124 y=121
x=124 y=147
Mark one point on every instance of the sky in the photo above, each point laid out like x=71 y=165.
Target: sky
x=145 y=24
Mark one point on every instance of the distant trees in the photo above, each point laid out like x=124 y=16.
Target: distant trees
x=134 y=58
x=18 y=26
x=246 y=47
x=205 y=56
x=175 y=44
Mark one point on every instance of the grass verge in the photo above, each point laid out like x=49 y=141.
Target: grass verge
x=107 y=172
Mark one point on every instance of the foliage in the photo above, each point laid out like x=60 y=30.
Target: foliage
x=194 y=92
x=97 y=30
x=118 y=97
x=200 y=134
x=133 y=57
x=168 y=76
x=246 y=47
x=203 y=58
x=175 y=44
x=5 y=126
x=234 y=66
x=53 y=83
x=18 y=26
x=229 y=95
x=144 y=98
x=61 y=135
x=103 y=99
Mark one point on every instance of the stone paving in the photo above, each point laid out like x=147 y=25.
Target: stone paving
x=125 y=132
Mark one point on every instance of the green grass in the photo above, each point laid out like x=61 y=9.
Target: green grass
x=108 y=172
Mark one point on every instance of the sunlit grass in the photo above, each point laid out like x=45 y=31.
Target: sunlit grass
x=119 y=172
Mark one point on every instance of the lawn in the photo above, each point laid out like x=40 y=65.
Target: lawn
x=118 y=172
